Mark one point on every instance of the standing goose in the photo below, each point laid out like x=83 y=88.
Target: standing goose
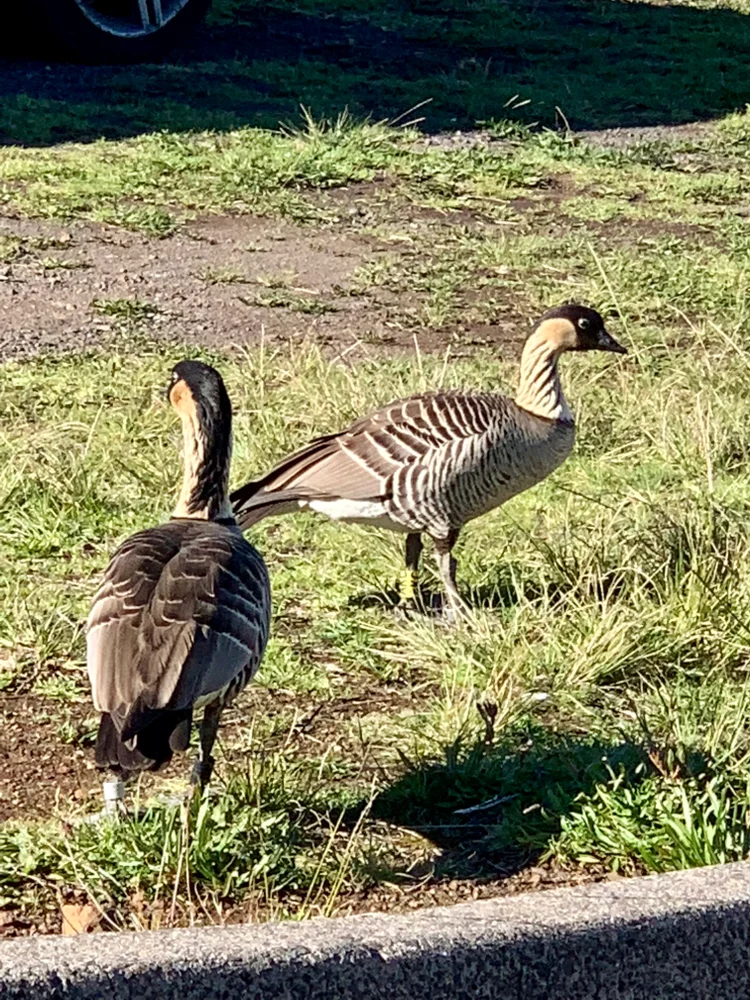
x=181 y=619
x=433 y=462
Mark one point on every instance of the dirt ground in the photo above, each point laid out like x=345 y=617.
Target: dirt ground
x=199 y=285
x=46 y=760
x=218 y=281
x=231 y=280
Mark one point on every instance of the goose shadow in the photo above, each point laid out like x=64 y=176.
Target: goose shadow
x=508 y=587
x=493 y=811
x=602 y=63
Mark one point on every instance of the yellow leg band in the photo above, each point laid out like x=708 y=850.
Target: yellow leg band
x=408 y=584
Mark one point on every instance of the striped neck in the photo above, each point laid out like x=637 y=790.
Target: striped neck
x=205 y=480
x=539 y=389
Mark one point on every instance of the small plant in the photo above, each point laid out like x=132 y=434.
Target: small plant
x=126 y=310
x=659 y=825
x=292 y=301
x=60 y=264
x=223 y=276
x=281 y=280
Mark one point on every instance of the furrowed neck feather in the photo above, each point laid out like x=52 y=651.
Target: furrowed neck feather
x=539 y=389
x=207 y=447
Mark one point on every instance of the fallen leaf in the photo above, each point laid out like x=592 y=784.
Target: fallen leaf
x=79 y=919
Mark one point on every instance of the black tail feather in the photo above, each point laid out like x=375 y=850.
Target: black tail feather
x=155 y=742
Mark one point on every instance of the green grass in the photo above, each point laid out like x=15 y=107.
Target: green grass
x=609 y=636
x=125 y=310
x=152 y=182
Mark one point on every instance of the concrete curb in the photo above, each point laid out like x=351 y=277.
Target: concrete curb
x=686 y=934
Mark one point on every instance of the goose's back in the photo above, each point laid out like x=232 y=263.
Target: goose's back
x=182 y=616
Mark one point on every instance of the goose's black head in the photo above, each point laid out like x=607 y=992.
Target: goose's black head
x=197 y=393
x=577 y=328
x=202 y=383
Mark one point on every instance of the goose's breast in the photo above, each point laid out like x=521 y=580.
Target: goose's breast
x=511 y=465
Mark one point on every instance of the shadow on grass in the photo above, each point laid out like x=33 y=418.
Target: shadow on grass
x=494 y=810
x=604 y=63
x=505 y=589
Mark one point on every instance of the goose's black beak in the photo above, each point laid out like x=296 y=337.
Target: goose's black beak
x=606 y=342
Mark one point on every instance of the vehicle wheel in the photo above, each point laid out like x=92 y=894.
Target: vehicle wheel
x=119 y=30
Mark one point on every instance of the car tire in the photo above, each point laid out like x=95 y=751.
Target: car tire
x=113 y=31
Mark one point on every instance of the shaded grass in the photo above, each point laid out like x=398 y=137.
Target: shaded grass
x=602 y=63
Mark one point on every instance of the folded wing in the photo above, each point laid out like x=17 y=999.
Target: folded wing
x=360 y=463
x=182 y=613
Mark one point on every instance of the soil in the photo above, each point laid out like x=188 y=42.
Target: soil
x=621 y=138
x=218 y=281
x=46 y=759
x=40 y=773
x=202 y=284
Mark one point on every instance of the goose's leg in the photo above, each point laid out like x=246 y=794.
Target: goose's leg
x=209 y=727
x=410 y=578
x=114 y=807
x=447 y=568
x=114 y=796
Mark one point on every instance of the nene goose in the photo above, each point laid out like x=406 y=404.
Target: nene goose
x=431 y=463
x=181 y=619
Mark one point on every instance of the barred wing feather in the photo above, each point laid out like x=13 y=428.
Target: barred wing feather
x=183 y=610
x=366 y=460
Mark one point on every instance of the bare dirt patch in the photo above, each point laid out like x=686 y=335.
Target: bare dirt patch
x=219 y=281
x=224 y=281
x=629 y=232
x=622 y=138
x=216 y=281
x=46 y=759
x=41 y=772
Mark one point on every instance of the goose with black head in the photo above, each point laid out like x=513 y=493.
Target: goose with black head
x=431 y=463
x=181 y=619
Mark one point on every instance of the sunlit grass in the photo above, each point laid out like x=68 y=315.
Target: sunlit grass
x=609 y=635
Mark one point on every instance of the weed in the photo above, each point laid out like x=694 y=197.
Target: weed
x=293 y=301
x=223 y=276
x=126 y=310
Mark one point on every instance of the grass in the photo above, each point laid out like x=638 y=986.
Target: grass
x=609 y=640
x=153 y=182
x=599 y=63
x=124 y=310
x=593 y=715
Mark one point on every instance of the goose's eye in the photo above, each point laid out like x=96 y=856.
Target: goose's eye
x=583 y=323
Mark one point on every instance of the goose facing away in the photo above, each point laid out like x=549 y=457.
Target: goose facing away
x=431 y=463
x=181 y=619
